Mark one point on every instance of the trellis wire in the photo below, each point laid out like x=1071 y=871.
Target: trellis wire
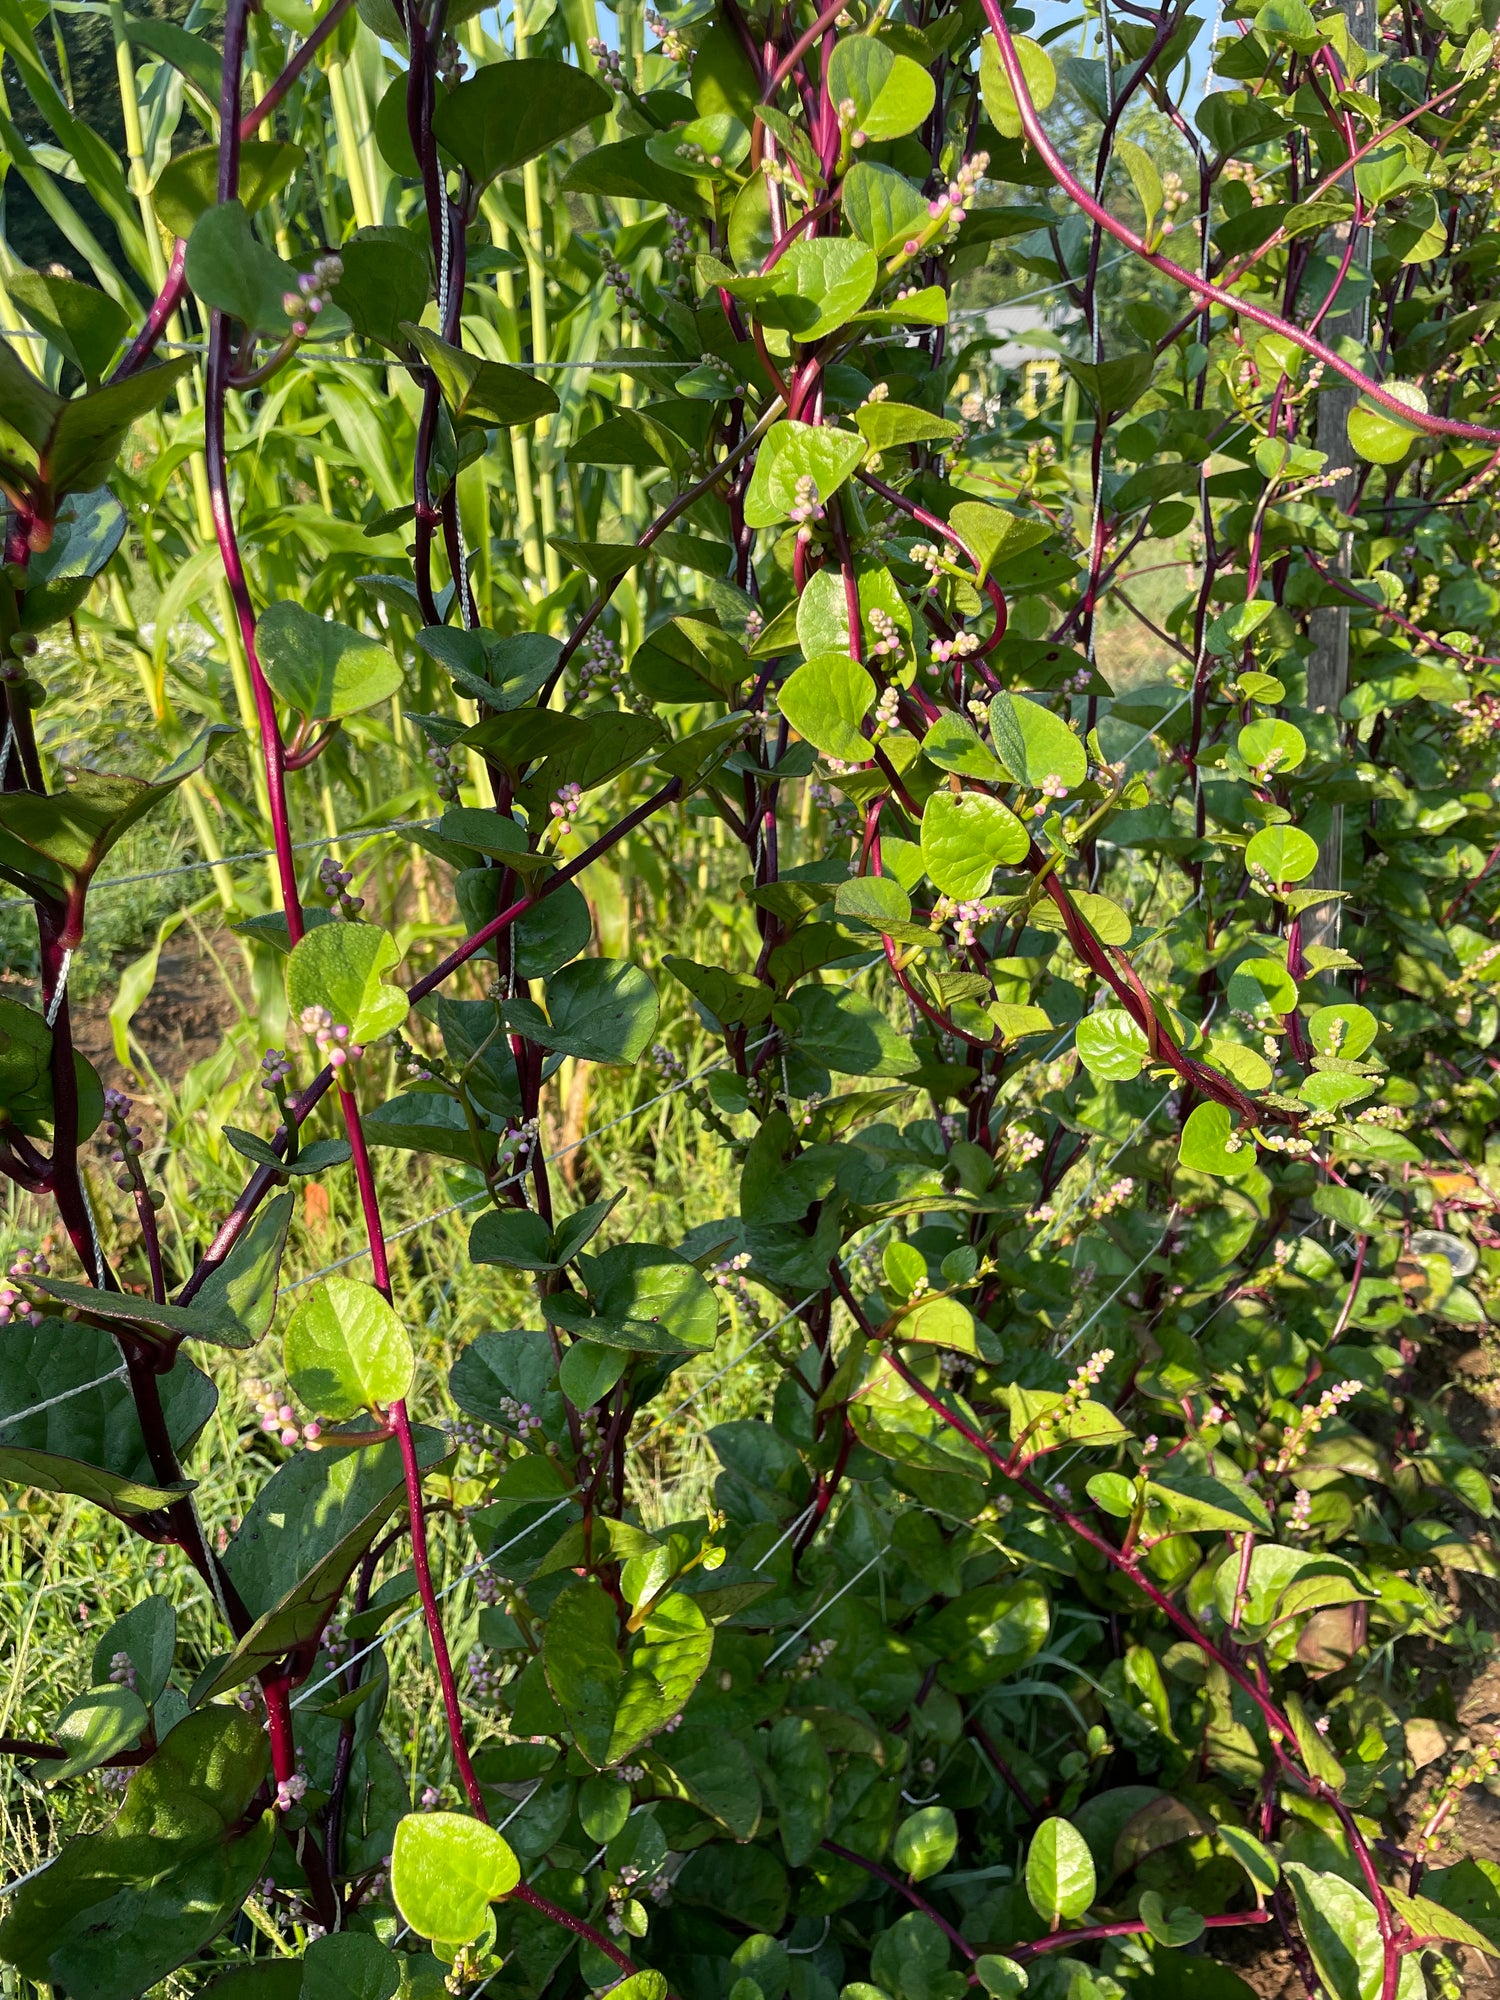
x=232 y=860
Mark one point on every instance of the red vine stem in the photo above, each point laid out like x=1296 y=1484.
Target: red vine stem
x=1067 y=180
x=215 y=404
x=169 y=298
x=1133 y=1927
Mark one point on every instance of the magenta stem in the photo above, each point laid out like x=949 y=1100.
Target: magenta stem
x=1132 y=1927
x=169 y=298
x=1434 y=426
x=215 y=400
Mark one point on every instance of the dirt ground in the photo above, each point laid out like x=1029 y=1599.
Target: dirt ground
x=182 y=1020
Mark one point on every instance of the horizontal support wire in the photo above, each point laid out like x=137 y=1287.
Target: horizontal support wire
x=350 y=834
x=119 y=1374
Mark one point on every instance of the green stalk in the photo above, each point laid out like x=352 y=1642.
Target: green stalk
x=350 y=150
x=520 y=445
x=541 y=349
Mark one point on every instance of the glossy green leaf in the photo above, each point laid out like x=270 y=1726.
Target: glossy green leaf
x=965 y=837
x=1034 y=744
x=229 y=268
x=321 y=669
x=188 y=186
x=1111 y=1046
x=297 y=1547
x=480 y=391
x=508 y=113
x=1377 y=435
x=339 y=966
x=345 y=1350
x=147 y=1634
x=825 y=701
x=884 y=209
x=446 y=1870
x=1211 y=1143
x=1286 y=853
x=96 y=1726
x=83 y=323
x=791 y=452
x=120 y=1909
x=891 y=94
x=603 y=1010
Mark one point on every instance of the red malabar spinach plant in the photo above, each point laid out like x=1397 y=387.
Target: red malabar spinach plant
x=1105 y=1061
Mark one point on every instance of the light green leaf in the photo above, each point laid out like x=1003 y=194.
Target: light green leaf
x=1034 y=744
x=1257 y=1860
x=999 y=99
x=1060 y=1878
x=1111 y=1047
x=825 y=701
x=1286 y=853
x=1344 y=1029
x=924 y=1842
x=339 y=966
x=1210 y=1144
x=1271 y=746
x=446 y=1870
x=1380 y=437
x=965 y=837
x=891 y=93
x=345 y=1350
x=883 y=208
x=790 y=452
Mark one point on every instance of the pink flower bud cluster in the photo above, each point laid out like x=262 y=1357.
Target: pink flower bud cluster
x=611 y=75
x=887 y=640
x=600 y=668
x=962 y=646
x=806 y=506
x=848 y=116
x=14 y=1305
x=564 y=808
x=331 y=1037
x=290 y=1792
x=314 y=291
x=953 y=204
x=1297 y=1437
x=275 y=1069
x=277 y=1418
x=334 y=882
x=1052 y=788
x=122 y=1671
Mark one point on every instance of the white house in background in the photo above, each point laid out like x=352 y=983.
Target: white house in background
x=1028 y=340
